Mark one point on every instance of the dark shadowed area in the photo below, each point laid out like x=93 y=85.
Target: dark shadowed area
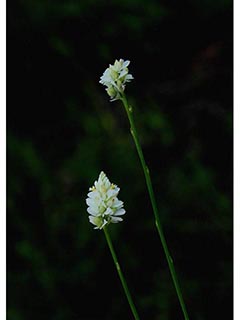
x=62 y=131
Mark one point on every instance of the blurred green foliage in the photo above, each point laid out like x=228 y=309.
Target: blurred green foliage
x=62 y=131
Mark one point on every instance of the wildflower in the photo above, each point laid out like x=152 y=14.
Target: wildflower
x=115 y=78
x=103 y=204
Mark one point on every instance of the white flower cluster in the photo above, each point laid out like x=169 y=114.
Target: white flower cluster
x=115 y=77
x=103 y=204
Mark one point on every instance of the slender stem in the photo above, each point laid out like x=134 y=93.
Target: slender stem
x=121 y=276
x=154 y=205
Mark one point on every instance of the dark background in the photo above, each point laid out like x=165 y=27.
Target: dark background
x=62 y=131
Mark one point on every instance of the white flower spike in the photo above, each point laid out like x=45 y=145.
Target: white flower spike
x=115 y=78
x=103 y=204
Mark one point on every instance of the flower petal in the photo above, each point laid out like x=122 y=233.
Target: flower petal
x=120 y=212
x=116 y=219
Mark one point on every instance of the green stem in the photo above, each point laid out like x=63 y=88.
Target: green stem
x=121 y=276
x=154 y=205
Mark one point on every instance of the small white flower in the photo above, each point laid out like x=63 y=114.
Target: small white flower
x=103 y=204
x=115 y=78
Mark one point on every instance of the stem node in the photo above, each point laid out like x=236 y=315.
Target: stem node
x=147 y=169
x=118 y=266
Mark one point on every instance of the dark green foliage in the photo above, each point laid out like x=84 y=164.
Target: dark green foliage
x=62 y=131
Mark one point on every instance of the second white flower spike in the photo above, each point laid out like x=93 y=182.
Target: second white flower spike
x=103 y=204
x=115 y=78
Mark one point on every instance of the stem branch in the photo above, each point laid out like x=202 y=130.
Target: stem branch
x=121 y=276
x=134 y=133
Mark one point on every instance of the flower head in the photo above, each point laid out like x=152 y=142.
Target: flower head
x=115 y=78
x=103 y=204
